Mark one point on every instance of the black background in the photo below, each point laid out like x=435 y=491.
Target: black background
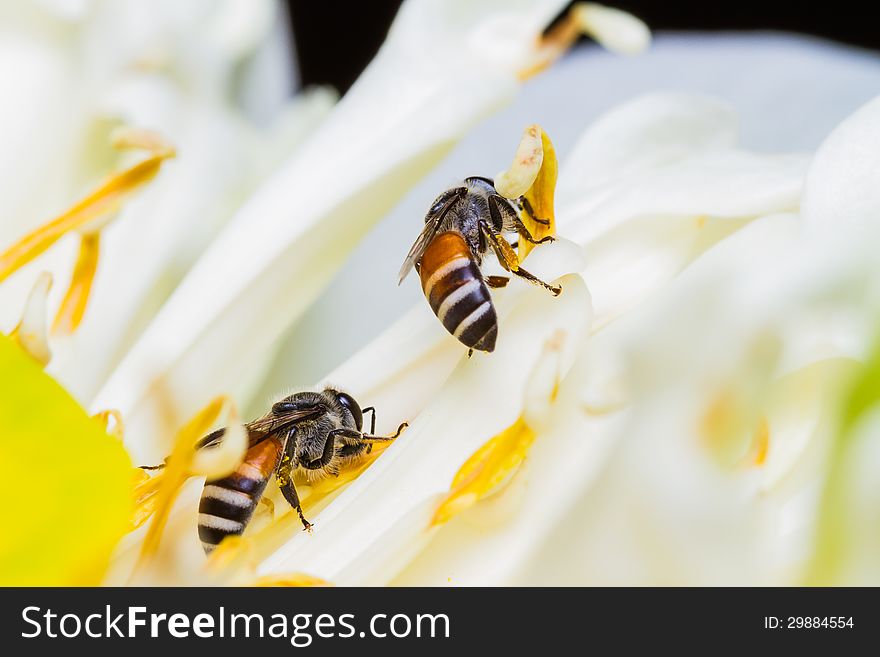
x=335 y=39
x=489 y=621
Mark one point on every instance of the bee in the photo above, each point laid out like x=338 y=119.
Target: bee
x=314 y=434
x=463 y=223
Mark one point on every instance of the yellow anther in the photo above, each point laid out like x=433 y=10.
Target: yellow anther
x=73 y=306
x=485 y=470
x=531 y=179
x=498 y=460
x=540 y=215
x=111 y=421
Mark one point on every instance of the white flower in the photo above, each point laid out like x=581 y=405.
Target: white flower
x=687 y=189
x=697 y=407
x=173 y=70
x=444 y=66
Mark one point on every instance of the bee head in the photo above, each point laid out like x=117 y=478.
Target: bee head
x=353 y=408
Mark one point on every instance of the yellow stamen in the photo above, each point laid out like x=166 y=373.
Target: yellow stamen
x=145 y=489
x=88 y=217
x=294 y=579
x=616 y=30
x=761 y=443
x=553 y=45
x=540 y=198
x=488 y=467
x=111 y=421
x=177 y=471
x=223 y=459
x=106 y=200
x=30 y=333
x=532 y=177
x=73 y=306
x=498 y=459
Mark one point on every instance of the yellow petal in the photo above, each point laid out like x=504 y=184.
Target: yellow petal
x=73 y=306
x=485 y=470
x=72 y=480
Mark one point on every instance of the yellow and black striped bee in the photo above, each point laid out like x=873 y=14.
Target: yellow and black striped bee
x=462 y=224
x=314 y=434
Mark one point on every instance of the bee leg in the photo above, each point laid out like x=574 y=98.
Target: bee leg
x=525 y=205
x=509 y=260
x=527 y=236
x=511 y=221
x=372 y=411
x=327 y=455
x=269 y=506
x=497 y=281
x=470 y=352
x=368 y=438
x=290 y=494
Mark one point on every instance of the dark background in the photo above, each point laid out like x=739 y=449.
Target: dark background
x=335 y=39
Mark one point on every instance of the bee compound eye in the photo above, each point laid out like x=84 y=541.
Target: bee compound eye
x=353 y=407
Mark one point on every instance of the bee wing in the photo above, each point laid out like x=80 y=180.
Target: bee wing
x=418 y=248
x=264 y=427
x=432 y=223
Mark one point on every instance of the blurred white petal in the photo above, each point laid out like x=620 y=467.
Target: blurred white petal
x=221 y=155
x=616 y=30
x=642 y=219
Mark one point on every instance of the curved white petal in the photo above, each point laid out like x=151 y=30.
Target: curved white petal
x=644 y=133
x=385 y=527
x=617 y=30
x=841 y=189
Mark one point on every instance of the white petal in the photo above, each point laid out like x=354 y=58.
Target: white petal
x=841 y=188
x=385 y=528
x=644 y=133
x=617 y=30
x=294 y=233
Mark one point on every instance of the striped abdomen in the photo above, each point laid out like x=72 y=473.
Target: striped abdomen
x=454 y=286
x=227 y=504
